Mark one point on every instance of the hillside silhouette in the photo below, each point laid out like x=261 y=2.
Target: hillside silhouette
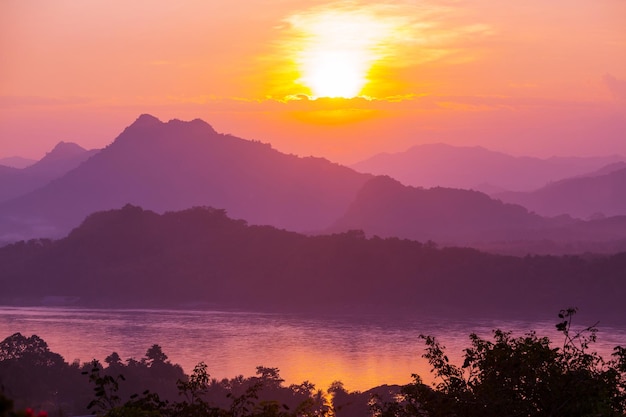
x=201 y=258
x=592 y=196
x=386 y=208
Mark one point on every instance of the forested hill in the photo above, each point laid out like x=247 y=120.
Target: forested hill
x=201 y=258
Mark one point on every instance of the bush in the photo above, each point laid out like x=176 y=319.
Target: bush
x=518 y=376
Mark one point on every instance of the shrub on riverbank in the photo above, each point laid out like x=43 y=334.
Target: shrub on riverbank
x=519 y=376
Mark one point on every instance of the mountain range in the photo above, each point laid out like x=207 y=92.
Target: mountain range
x=442 y=165
x=176 y=165
x=169 y=166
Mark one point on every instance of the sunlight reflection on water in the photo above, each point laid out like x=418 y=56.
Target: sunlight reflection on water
x=360 y=351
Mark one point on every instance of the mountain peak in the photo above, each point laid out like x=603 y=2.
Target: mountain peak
x=195 y=124
x=64 y=150
x=62 y=158
x=146 y=120
x=67 y=148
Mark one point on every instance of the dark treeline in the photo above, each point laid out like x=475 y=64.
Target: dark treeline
x=201 y=258
x=518 y=376
x=32 y=376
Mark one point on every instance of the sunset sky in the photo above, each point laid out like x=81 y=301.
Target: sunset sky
x=343 y=80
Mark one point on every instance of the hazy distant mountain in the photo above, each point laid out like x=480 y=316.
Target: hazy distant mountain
x=64 y=157
x=200 y=257
x=61 y=159
x=601 y=193
x=476 y=168
x=16 y=162
x=616 y=166
x=177 y=165
x=386 y=208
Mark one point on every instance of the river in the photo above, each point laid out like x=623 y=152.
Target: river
x=361 y=351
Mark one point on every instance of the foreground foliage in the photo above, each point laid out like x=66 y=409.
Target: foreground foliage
x=523 y=376
x=518 y=376
x=33 y=376
x=262 y=395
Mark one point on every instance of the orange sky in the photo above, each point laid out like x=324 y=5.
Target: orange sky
x=531 y=77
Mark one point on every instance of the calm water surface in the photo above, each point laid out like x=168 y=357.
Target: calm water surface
x=362 y=352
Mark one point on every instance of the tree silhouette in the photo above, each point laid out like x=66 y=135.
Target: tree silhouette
x=155 y=355
x=113 y=360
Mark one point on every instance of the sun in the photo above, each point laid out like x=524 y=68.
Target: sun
x=335 y=74
x=337 y=49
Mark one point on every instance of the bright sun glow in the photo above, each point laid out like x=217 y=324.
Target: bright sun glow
x=337 y=50
x=335 y=74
